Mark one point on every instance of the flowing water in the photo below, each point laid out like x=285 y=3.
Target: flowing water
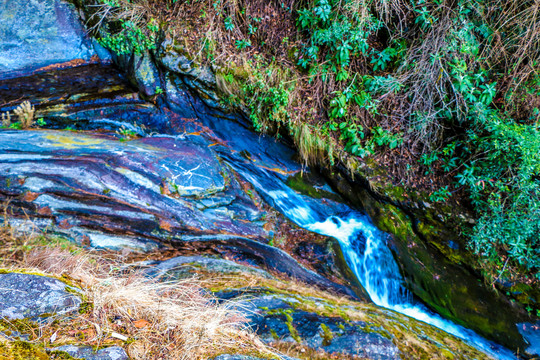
x=365 y=251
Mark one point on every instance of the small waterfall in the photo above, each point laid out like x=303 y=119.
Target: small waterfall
x=365 y=251
x=367 y=256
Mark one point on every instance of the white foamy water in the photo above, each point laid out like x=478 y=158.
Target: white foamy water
x=370 y=259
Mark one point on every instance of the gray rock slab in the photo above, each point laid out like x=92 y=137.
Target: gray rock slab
x=38 y=33
x=183 y=265
x=87 y=353
x=146 y=74
x=25 y=296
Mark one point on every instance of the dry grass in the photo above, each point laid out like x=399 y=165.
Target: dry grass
x=207 y=31
x=6 y=119
x=177 y=320
x=25 y=112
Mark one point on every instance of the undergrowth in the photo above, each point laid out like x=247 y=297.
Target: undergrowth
x=444 y=94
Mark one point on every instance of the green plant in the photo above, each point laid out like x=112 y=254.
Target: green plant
x=440 y=195
x=353 y=135
x=267 y=104
x=126 y=134
x=382 y=137
x=229 y=25
x=242 y=44
x=382 y=58
x=128 y=34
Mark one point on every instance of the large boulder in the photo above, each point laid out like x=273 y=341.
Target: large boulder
x=38 y=33
x=137 y=186
x=280 y=318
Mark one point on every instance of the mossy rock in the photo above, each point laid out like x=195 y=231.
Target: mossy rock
x=344 y=328
x=21 y=350
x=445 y=284
x=435 y=263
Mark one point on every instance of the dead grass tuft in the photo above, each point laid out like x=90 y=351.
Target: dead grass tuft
x=25 y=112
x=152 y=320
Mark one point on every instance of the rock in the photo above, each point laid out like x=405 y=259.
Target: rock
x=144 y=185
x=531 y=332
x=87 y=353
x=244 y=357
x=173 y=57
x=199 y=79
x=275 y=318
x=38 y=33
x=183 y=266
x=25 y=296
x=99 y=240
x=146 y=74
x=178 y=99
x=268 y=257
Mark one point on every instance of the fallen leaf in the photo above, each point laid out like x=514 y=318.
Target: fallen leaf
x=30 y=196
x=139 y=324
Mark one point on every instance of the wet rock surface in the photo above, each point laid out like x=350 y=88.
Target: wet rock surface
x=25 y=296
x=97 y=182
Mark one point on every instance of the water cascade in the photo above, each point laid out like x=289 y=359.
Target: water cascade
x=365 y=251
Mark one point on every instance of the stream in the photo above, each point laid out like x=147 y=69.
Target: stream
x=365 y=250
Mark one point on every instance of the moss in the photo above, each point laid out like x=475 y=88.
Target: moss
x=303 y=184
x=274 y=334
x=22 y=326
x=21 y=350
x=61 y=355
x=290 y=326
x=447 y=354
x=327 y=335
